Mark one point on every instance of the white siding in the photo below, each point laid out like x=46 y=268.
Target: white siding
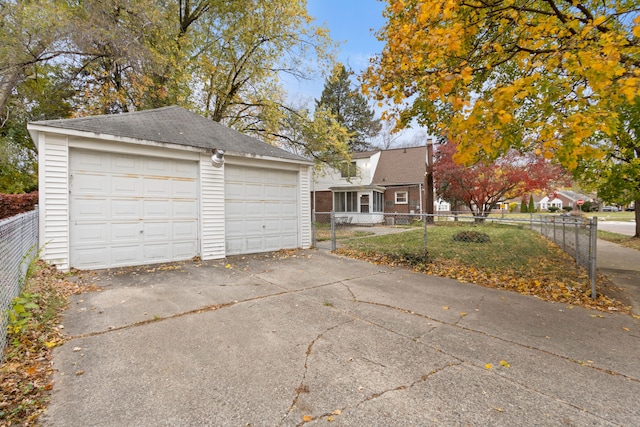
x=53 y=151
x=211 y=209
x=329 y=177
x=305 y=206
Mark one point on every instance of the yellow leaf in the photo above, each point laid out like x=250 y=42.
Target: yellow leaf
x=307 y=418
x=505 y=363
x=50 y=344
x=445 y=307
x=626 y=329
x=337 y=412
x=488 y=366
x=462 y=314
x=227 y=266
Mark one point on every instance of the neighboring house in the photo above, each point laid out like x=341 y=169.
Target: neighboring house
x=143 y=187
x=376 y=182
x=550 y=201
x=570 y=198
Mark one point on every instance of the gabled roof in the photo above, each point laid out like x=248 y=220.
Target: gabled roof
x=401 y=166
x=172 y=125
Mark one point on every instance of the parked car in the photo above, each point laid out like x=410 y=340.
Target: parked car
x=610 y=209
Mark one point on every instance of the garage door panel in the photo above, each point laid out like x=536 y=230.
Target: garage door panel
x=184 y=209
x=123 y=255
x=91 y=233
x=254 y=191
x=89 y=161
x=125 y=186
x=184 y=169
x=89 y=209
x=157 y=231
x=156 y=209
x=123 y=163
x=90 y=258
x=159 y=167
x=125 y=232
x=156 y=187
x=156 y=252
x=185 y=189
x=184 y=231
x=233 y=210
x=125 y=209
x=183 y=250
x=85 y=184
x=131 y=213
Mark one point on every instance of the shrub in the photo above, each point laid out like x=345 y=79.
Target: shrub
x=567 y=208
x=553 y=209
x=471 y=236
x=14 y=204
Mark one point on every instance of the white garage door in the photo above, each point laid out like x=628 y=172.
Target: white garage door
x=131 y=210
x=261 y=209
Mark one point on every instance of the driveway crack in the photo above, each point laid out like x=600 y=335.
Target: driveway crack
x=302 y=387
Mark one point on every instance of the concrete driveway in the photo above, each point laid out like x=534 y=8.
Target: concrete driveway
x=310 y=338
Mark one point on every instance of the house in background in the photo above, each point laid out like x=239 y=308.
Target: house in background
x=376 y=183
x=143 y=187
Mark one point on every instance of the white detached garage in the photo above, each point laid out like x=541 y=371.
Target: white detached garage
x=141 y=188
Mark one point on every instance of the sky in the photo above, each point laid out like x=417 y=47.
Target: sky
x=352 y=23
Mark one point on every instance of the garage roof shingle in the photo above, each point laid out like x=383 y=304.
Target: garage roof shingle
x=173 y=125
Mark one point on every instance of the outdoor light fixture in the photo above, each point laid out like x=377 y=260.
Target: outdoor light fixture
x=217 y=159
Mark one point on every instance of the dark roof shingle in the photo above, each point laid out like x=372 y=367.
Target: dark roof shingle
x=401 y=166
x=173 y=125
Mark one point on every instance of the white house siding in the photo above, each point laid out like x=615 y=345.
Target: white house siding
x=305 y=206
x=212 y=209
x=53 y=151
x=330 y=177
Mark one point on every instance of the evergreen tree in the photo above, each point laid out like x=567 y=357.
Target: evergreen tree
x=523 y=207
x=350 y=109
x=532 y=206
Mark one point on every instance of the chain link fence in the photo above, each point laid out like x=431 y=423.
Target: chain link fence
x=18 y=248
x=509 y=236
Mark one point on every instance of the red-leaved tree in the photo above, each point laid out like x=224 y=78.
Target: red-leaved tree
x=482 y=185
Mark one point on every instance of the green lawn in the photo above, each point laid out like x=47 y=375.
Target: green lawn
x=510 y=247
x=620 y=239
x=514 y=258
x=323 y=232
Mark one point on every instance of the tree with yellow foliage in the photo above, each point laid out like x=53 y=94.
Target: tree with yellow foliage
x=537 y=75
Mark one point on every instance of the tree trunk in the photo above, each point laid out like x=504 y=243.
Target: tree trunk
x=637 y=215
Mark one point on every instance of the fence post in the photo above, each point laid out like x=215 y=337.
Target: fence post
x=593 y=242
x=578 y=252
x=333 y=230
x=424 y=239
x=313 y=228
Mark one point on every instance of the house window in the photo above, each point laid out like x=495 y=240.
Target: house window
x=401 y=197
x=348 y=170
x=345 y=201
x=378 y=199
x=364 y=203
